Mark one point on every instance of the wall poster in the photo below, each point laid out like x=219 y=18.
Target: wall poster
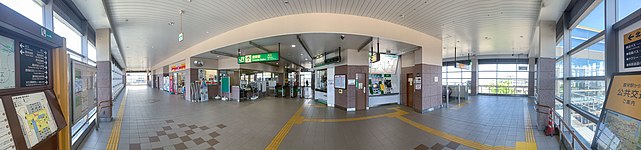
x=6 y=138
x=36 y=119
x=84 y=90
x=630 y=48
x=7 y=63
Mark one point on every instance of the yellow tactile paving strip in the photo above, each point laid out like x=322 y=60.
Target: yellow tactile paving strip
x=285 y=130
x=530 y=142
x=114 y=139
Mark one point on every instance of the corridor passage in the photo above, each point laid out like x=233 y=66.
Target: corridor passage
x=156 y=120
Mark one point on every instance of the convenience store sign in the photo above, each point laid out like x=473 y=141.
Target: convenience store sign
x=264 y=57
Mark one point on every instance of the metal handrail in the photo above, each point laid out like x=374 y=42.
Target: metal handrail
x=574 y=136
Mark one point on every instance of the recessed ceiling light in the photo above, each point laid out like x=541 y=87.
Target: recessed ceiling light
x=217 y=56
x=171 y=23
x=402 y=16
x=293 y=45
x=286 y=2
x=207 y=32
x=301 y=54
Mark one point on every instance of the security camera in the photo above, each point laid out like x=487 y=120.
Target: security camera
x=342 y=37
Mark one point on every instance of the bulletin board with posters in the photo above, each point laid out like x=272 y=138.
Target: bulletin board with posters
x=30 y=115
x=620 y=122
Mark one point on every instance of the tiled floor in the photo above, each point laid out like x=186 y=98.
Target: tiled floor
x=157 y=120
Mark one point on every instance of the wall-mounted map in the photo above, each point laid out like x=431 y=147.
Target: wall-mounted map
x=36 y=119
x=6 y=138
x=7 y=63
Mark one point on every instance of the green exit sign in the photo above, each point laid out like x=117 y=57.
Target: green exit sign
x=180 y=37
x=264 y=57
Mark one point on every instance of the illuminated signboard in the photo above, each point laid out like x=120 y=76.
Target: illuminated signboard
x=264 y=57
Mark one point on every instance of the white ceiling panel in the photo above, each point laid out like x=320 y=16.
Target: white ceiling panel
x=143 y=24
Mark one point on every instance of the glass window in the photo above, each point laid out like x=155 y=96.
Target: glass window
x=591 y=25
x=583 y=126
x=27 y=8
x=72 y=36
x=487 y=67
x=588 y=62
x=558 y=89
x=91 y=52
x=559 y=48
x=504 y=78
x=559 y=68
x=588 y=95
x=558 y=107
x=456 y=76
x=627 y=7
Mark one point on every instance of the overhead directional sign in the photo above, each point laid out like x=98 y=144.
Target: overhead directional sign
x=264 y=57
x=34 y=65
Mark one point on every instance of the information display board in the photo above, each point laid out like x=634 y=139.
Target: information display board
x=36 y=119
x=34 y=65
x=339 y=81
x=620 y=125
x=264 y=57
x=7 y=63
x=386 y=65
x=6 y=138
x=630 y=48
x=84 y=90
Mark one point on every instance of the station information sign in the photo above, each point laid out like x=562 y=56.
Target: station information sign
x=264 y=57
x=632 y=49
x=620 y=124
x=34 y=65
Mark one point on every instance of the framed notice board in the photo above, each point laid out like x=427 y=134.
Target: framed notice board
x=620 y=122
x=629 y=43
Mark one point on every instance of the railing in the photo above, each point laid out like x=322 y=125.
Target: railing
x=563 y=129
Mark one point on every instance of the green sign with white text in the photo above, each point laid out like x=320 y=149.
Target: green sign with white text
x=264 y=57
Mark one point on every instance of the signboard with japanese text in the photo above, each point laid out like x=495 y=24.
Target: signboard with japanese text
x=620 y=124
x=630 y=48
x=264 y=57
x=34 y=65
x=625 y=95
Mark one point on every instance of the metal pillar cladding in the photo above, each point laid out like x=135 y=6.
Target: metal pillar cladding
x=611 y=46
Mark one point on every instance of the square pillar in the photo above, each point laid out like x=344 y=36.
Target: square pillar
x=103 y=74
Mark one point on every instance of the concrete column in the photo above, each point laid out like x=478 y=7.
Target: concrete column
x=531 y=76
x=547 y=61
x=103 y=75
x=475 y=80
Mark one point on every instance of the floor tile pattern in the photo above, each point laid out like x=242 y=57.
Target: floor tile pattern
x=156 y=120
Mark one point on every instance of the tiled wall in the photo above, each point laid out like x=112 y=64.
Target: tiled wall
x=546 y=87
x=430 y=92
x=347 y=99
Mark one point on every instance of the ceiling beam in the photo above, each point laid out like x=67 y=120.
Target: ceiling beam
x=267 y=51
x=223 y=54
x=365 y=44
x=303 y=44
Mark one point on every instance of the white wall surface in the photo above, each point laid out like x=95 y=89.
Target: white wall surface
x=317 y=23
x=207 y=63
